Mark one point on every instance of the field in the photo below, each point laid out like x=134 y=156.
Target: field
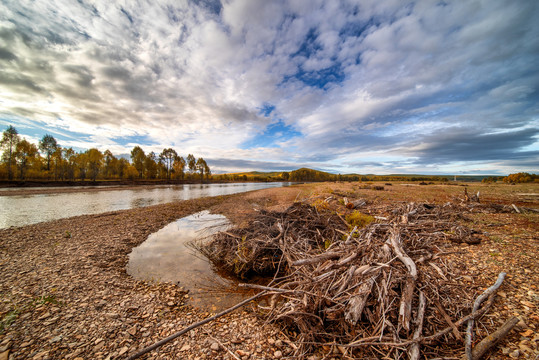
x=65 y=293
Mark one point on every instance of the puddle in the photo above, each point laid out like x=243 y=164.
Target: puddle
x=167 y=257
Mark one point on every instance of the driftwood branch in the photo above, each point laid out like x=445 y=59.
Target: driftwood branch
x=491 y=340
x=469 y=330
x=194 y=326
x=414 y=349
x=405 y=310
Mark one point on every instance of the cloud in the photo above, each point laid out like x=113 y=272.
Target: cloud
x=395 y=80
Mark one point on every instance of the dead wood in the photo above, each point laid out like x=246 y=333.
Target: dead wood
x=339 y=283
x=490 y=291
x=491 y=340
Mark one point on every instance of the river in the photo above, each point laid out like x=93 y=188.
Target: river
x=21 y=210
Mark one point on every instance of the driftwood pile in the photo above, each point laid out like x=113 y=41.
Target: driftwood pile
x=383 y=290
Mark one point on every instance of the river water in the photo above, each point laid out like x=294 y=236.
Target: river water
x=21 y=210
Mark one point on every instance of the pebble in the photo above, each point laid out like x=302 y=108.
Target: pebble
x=515 y=354
x=278 y=354
x=214 y=346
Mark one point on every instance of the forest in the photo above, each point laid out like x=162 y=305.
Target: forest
x=47 y=160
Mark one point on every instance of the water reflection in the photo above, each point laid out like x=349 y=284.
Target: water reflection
x=166 y=256
x=20 y=210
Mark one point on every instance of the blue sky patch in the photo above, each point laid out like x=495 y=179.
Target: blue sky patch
x=274 y=133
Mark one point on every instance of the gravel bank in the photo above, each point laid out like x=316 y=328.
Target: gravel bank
x=65 y=294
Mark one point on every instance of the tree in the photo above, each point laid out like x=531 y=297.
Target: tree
x=95 y=161
x=207 y=171
x=121 y=167
x=191 y=163
x=179 y=167
x=70 y=163
x=25 y=154
x=137 y=159
x=150 y=166
x=58 y=159
x=81 y=161
x=201 y=167
x=10 y=139
x=48 y=145
x=108 y=170
x=285 y=175
x=167 y=157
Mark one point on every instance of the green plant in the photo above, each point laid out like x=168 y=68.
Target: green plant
x=45 y=299
x=358 y=219
x=67 y=234
x=8 y=319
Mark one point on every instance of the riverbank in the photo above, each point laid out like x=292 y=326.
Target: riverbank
x=65 y=293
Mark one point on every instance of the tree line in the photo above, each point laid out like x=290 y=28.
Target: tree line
x=22 y=160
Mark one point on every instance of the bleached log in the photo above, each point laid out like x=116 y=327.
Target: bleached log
x=405 y=309
x=356 y=304
x=414 y=349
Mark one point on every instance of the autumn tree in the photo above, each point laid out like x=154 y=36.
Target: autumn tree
x=522 y=177
x=150 y=166
x=201 y=167
x=179 y=167
x=121 y=167
x=95 y=161
x=81 y=161
x=59 y=163
x=25 y=154
x=10 y=139
x=191 y=163
x=167 y=157
x=70 y=158
x=48 y=146
x=137 y=159
x=108 y=164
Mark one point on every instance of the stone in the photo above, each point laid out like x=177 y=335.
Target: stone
x=4 y=355
x=132 y=330
x=214 y=346
x=515 y=354
x=277 y=354
x=242 y=353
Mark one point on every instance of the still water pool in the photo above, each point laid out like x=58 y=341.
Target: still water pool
x=166 y=256
x=20 y=210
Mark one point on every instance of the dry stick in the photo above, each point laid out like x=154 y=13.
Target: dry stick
x=477 y=303
x=421 y=339
x=193 y=326
x=414 y=349
x=448 y=320
x=491 y=340
x=405 y=310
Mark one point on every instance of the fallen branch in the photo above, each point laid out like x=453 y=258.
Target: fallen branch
x=414 y=349
x=490 y=291
x=491 y=340
x=405 y=310
x=194 y=326
x=448 y=321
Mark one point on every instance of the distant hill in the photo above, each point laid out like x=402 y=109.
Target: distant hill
x=311 y=175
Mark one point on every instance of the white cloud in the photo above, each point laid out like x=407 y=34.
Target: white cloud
x=180 y=74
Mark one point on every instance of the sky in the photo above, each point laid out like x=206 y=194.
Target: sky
x=365 y=86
